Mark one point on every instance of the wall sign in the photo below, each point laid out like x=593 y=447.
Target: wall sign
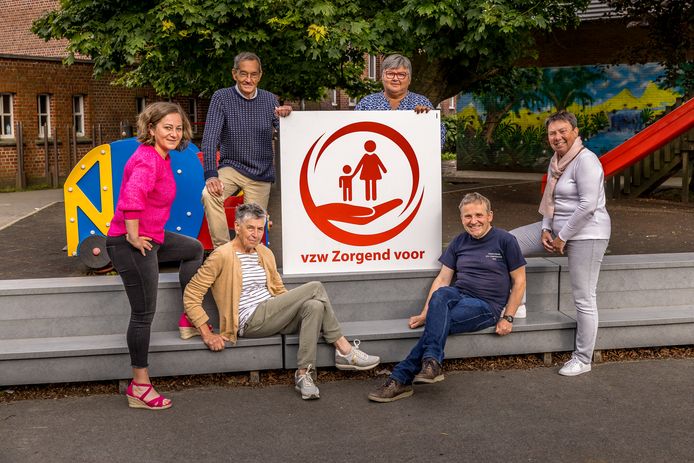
x=361 y=191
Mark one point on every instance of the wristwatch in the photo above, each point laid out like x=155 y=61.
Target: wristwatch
x=508 y=318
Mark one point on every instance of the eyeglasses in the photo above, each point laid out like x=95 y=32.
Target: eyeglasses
x=390 y=75
x=246 y=75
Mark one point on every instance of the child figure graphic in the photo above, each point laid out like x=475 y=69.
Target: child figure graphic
x=346 y=183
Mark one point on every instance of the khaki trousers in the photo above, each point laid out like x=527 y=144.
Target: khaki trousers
x=254 y=191
x=305 y=309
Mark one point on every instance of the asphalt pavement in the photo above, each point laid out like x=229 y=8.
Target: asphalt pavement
x=620 y=412
x=20 y=205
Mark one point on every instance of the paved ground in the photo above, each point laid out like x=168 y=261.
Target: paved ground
x=620 y=412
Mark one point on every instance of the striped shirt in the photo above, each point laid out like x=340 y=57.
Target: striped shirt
x=241 y=129
x=253 y=289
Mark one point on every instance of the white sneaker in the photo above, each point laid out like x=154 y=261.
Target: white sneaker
x=574 y=367
x=521 y=312
x=305 y=385
x=356 y=359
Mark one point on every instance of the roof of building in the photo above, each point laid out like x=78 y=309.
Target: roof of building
x=598 y=10
x=16 y=38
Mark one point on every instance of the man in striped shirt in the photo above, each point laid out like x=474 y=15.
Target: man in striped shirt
x=240 y=123
x=253 y=302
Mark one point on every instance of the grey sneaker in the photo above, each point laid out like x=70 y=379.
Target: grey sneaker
x=431 y=372
x=305 y=385
x=390 y=391
x=574 y=367
x=355 y=359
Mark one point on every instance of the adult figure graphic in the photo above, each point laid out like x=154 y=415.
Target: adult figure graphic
x=396 y=76
x=137 y=241
x=370 y=168
x=240 y=124
x=575 y=222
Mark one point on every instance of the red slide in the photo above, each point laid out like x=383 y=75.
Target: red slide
x=649 y=139
x=642 y=144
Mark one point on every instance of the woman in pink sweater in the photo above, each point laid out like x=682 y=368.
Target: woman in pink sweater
x=137 y=241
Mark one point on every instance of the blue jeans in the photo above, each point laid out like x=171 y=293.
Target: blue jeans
x=450 y=312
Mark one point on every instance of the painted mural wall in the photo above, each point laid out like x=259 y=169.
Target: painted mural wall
x=612 y=103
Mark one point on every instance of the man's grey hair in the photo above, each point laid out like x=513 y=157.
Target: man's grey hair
x=475 y=198
x=562 y=116
x=249 y=211
x=247 y=56
x=396 y=61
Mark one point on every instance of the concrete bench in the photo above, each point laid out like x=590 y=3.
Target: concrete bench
x=392 y=340
x=643 y=300
x=73 y=329
x=92 y=358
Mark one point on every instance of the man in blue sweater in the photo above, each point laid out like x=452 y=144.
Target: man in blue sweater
x=240 y=124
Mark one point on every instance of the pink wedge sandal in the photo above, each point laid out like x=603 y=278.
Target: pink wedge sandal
x=156 y=403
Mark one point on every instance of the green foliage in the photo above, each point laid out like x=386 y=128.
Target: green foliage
x=512 y=148
x=560 y=87
x=670 y=26
x=591 y=124
x=307 y=46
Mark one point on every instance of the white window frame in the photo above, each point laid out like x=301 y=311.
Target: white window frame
x=193 y=114
x=371 y=67
x=333 y=97
x=41 y=116
x=352 y=102
x=6 y=113
x=78 y=112
x=140 y=104
x=451 y=103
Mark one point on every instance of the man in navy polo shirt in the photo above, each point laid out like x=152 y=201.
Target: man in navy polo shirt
x=240 y=124
x=489 y=271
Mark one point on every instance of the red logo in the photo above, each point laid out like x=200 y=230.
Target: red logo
x=371 y=170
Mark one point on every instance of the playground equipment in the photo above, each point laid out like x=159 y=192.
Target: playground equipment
x=91 y=194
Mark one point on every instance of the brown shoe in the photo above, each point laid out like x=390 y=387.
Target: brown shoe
x=431 y=372
x=390 y=391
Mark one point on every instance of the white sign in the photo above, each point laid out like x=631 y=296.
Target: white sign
x=361 y=191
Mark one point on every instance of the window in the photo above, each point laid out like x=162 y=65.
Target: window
x=6 y=122
x=78 y=114
x=352 y=101
x=333 y=97
x=140 y=103
x=371 y=67
x=451 y=103
x=193 y=114
x=44 y=113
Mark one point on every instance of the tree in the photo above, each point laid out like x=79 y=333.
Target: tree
x=670 y=25
x=501 y=94
x=307 y=46
x=563 y=86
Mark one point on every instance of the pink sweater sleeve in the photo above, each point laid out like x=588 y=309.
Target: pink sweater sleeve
x=139 y=183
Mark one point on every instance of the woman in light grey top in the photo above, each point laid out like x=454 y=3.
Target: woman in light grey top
x=574 y=222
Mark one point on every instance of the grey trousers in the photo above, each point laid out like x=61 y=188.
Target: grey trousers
x=585 y=258
x=305 y=309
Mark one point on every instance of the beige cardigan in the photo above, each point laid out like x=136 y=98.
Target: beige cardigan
x=222 y=272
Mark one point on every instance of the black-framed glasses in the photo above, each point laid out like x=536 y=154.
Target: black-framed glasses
x=390 y=75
